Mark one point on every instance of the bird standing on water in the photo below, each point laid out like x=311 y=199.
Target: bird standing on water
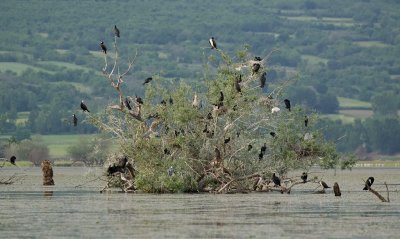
x=369 y=183
x=74 y=120
x=84 y=107
x=116 y=31
x=212 y=43
x=336 y=190
x=103 y=47
x=287 y=104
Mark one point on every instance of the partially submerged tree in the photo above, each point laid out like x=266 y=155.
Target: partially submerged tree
x=224 y=136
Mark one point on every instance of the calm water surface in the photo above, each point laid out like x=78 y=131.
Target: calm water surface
x=30 y=210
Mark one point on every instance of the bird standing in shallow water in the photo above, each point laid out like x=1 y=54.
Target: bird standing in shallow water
x=116 y=31
x=304 y=177
x=103 y=47
x=84 y=107
x=336 y=190
x=213 y=43
x=276 y=180
x=287 y=104
x=369 y=183
x=12 y=160
x=74 y=120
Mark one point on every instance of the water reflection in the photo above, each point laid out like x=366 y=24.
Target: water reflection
x=83 y=212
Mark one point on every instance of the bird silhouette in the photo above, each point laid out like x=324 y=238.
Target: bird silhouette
x=213 y=43
x=323 y=184
x=148 y=79
x=287 y=104
x=74 y=120
x=103 y=47
x=84 y=107
x=139 y=100
x=304 y=177
x=170 y=171
x=273 y=134
x=249 y=147
x=369 y=183
x=12 y=160
x=263 y=79
x=255 y=68
x=305 y=120
x=127 y=104
x=116 y=31
x=276 y=180
x=336 y=190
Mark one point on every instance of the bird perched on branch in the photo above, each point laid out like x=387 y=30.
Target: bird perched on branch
x=74 y=120
x=84 y=107
x=257 y=58
x=213 y=43
x=195 y=102
x=103 y=47
x=275 y=110
x=116 y=31
x=304 y=177
x=287 y=104
x=369 y=183
x=273 y=134
x=139 y=100
x=305 y=120
x=237 y=85
x=263 y=148
x=249 y=147
x=12 y=160
x=227 y=140
x=263 y=79
x=127 y=104
x=323 y=184
x=255 y=68
x=276 y=180
x=120 y=167
x=170 y=171
x=148 y=79
x=171 y=101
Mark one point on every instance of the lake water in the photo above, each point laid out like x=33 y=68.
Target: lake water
x=30 y=210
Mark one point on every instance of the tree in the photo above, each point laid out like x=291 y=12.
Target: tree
x=207 y=143
x=385 y=104
x=328 y=103
x=90 y=152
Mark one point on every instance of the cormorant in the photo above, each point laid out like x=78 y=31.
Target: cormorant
x=323 y=184
x=120 y=167
x=74 y=120
x=263 y=148
x=221 y=96
x=195 y=102
x=148 y=79
x=273 y=134
x=237 y=86
x=369 y=183
x=304 y=177
x=227 y=140
x=249 y=147
x=257 y=58
x=287 y=104
x=170 y=171
x=116 y=31
x=171 y=101
x=263 y=79
x=209 y=116
x=260 y=156
x=336 y=190
x=255 y=68
x=276 y=180
x=12 y=160
x=139 y=100
x=84 y=107
x=305 y=120
x=103 y=47
x=163 y=102
x=127 y=104
x=212 y=43
x=166 y=151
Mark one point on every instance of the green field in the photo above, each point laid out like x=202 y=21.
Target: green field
x=69 y=66
x=345 y=119
x=19 y=68
x=58 y=144
x=347 y=103
x=22 y=118
x=314 y=59
x=371 y=44
x=358 y=114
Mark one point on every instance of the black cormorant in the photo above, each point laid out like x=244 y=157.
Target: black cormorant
x=227 y=140
x=127 y=104
x=237 y=86
x=369 y=183
x=212 y=43
x=221 y=96
x=287 y=104
x=304 y=177
x=249 y=147
x=273 y=134
x=84 y=107
x=139 y=100
x=305 y=120
x=74 y=120
x=171 y=101
x=163 y=102
x=257 y=58
x=276 y=180
x=323 y=184
x=116 y=31
x=103 y=47
x=263 y=148
x=336 y=190
x=148 y=79
x=12 y=160
x=255 y=68
x=263 y=79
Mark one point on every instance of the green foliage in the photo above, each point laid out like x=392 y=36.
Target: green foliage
x=187 y=137
x=33 y=150
x=92 y=152
x=385 y=104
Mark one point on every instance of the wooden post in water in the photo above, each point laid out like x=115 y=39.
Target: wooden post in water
x=47 y=171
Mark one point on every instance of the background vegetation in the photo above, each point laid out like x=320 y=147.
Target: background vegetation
x=346 y=54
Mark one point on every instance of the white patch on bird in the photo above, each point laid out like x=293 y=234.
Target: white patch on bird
x=275 y=110
x=308 y=136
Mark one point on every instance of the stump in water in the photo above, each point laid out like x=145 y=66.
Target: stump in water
x=336 y=190
x=47 y=171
